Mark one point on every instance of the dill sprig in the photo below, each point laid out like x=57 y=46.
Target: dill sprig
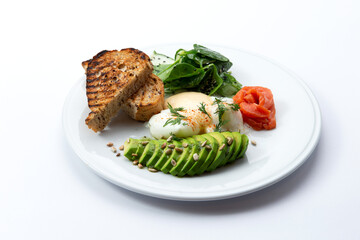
x=234 y=106
x=175 y=113
x=203 y=109
x=220 y=111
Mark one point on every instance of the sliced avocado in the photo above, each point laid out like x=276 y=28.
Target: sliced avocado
x=237 y=143
x=244 y=145
x=183 y=158
x=130 y=147
x=174 y=157
x=190 y=161
x=157 y=153
x=167 y=152
x=141 y=147
x=203 y=152
x=212 y=152
x=230 y=140
x=148 y=152
x=221 y=154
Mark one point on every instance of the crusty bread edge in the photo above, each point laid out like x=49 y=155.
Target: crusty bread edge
x=144 y=112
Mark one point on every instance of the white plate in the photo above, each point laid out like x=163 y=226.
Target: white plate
x=277 y=154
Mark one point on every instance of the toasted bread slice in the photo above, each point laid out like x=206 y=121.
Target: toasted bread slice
x=149 y=100
x=111 y=78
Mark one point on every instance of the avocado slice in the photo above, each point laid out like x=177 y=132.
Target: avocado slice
x=190 y=161
x=237 y=143
x=231 y=149
x=141 y=147
x=183 y=158
x=221 y=154
x=134 y=146
x=244 y=145
x=164 y=157
x=157 y=153
x=173 y=157
x=130 y=147
x=202 y=155
x=148 y=152
x=212 y=153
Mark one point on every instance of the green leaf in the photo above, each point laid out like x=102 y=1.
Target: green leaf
x=223 y=66
x=180 y=53
x=185 y=83
x=189 y=60
x=159 y=58
x=200 y=60
x=217 y=79
x=229 y=86
x=210 y=53
x=160 y=68
x=182 y=70
x=211 y=81
x=199 y=69
x=165 y=73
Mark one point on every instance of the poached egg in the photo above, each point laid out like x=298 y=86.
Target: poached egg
x=194 y=121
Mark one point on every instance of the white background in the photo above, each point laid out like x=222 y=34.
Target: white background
x=46 y=192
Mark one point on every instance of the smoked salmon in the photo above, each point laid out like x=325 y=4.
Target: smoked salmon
x=257 y=107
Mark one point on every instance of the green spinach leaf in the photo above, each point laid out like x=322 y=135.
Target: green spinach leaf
x=160 y=67
x=211 y=82
x=210 y=53
x=229 y=86
x=182 y=70
x=199 y=69
x=223 y=66
x=186 y=82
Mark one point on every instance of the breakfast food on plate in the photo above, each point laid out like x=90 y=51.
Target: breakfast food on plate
x=111 y=78
x=146 y=102
x=200 y=126
x=188 y=156
x=257 y=107
x=192 y=113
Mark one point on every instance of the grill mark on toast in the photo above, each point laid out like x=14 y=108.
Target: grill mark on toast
x=91 y=86
x=97 y=98
x=95 y=105
x=111 y=76
x=105 y=91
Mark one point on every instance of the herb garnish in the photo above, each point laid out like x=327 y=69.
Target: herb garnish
x=221 y=111
x=202 y=109
x=174 y=113
x=234 y=106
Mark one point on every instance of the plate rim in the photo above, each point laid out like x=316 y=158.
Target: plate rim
x=215 y=195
